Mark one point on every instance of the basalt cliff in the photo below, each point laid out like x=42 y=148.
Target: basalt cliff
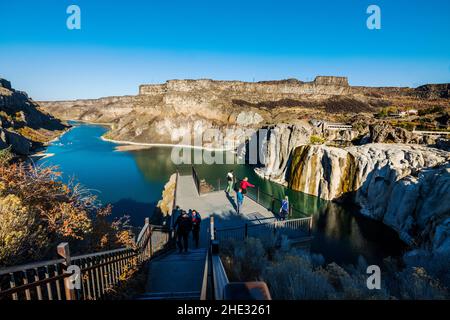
x=406 y=186
x=24 y=127
x=170 y=112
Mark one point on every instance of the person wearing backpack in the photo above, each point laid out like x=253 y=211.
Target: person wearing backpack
x=183 y=226
x=230 y=181
x=284 y=210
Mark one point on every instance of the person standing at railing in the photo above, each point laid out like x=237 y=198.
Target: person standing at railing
x=230 y=182
x=183 y=226
x=245 y=184
x=196 y=221
x=284 y=210
x=239 y=200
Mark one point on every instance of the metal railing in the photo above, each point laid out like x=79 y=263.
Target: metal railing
x=83 y=277
x=196 y=180
x=294 y=229
x=185 y=170
x=267 y=200
x=222 y=288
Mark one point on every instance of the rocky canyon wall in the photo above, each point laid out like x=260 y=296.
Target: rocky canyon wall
x=164 y=113
x=23 y=125
x=406 y=187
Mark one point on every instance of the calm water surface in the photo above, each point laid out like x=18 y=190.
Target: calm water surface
x=133 y=182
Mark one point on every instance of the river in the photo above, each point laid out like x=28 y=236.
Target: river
x=132 y=181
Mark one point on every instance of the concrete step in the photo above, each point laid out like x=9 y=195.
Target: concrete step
x=190 y=295
x=191 y=255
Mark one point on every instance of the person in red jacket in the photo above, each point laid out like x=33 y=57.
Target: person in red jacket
x=245 y=184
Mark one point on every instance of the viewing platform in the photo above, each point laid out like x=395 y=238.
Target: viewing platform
x=184 y=275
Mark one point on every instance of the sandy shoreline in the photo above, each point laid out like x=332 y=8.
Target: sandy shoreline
x=129 y=145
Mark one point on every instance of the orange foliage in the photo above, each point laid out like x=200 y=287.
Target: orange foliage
x=66 y=212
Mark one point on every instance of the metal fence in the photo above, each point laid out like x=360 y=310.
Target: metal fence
x=83 y=277
x=269 y=201
x=294 y=229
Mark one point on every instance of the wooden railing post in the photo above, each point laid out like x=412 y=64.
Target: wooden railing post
x=310 y=226
x=64 y=252
x=258 y=195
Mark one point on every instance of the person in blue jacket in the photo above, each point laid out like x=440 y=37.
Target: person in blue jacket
x=284 y=210
x=239 y=200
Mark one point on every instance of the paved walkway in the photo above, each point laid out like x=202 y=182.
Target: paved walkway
x=180 y=275
x=217 y=203
x=176 y=275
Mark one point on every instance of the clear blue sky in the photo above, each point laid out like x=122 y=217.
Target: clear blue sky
x=125 y=43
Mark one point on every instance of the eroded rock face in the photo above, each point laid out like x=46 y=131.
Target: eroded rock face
x=23 y=125
x=277 y=146
x=19 y=144
x=433 y=91
x=385 y=133
x=406 y=187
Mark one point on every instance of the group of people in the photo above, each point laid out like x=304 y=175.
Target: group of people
x=241 y=190
x=188 y=221
x=185 y=223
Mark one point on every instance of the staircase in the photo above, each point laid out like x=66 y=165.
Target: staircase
x=176 y=276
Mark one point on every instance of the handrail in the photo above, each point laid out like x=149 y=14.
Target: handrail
x=99 y=271
x=296 y=229
x=142 y=232
x=196 y=180
x=222 y=288
x=204 y=291
x=256 y=198
x=277 y=222
x=220 y=277
x=32 y=265
x=98 y=254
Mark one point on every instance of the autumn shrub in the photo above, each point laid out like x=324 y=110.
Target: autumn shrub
x=20 y=235
x=316 y=140
x=37 y=211
x=5 y=156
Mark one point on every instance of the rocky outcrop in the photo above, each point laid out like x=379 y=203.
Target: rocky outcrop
x=385 y=133
x=276 y=147
x=19 y=144
x=23 y=126
x=164 y=113
x=433 y=91
x=404 y=186
x=321 y=85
